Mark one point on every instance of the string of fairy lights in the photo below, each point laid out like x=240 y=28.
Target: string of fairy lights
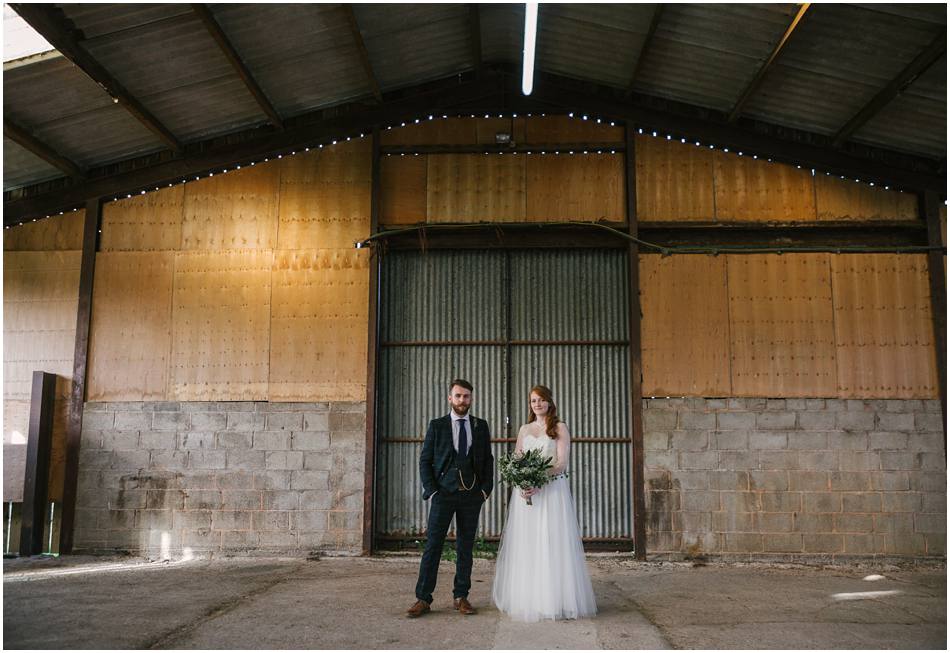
x=593 y=149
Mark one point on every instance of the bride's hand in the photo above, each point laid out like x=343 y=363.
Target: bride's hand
x=530 y=492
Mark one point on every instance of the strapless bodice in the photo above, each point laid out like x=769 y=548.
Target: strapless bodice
x=546 y=445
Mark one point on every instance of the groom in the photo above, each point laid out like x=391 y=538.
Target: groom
x=456 y=471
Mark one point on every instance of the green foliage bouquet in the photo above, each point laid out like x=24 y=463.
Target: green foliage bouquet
x=525 y=470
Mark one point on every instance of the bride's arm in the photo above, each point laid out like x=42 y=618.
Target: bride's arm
x=563 y=449
x=518 y=449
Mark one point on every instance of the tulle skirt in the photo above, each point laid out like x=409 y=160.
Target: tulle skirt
x=541 y=572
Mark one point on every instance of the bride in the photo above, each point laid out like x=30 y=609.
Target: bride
x=541 y=572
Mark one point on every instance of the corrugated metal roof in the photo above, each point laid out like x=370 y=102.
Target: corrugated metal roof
x=595 y=41
x=502 y=30
x=414 y=43
x=21 y=167
x=98 y=19
x=69 y=112
x=708 y=54
x=306 y=59
x=821 y=79
x=915 y=121
x=177 y=71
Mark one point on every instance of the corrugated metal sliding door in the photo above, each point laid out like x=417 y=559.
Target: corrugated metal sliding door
x=506 y=320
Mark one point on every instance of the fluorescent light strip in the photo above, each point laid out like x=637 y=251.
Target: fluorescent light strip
x=530 y=36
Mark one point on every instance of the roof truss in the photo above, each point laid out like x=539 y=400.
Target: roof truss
x=494 y=91
x=62 y=34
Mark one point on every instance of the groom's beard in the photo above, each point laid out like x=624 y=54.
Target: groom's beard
x=461 y=411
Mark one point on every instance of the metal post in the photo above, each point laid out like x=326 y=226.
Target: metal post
x=6 y=549
x=372 y=355
x=930 y=212
x=36 y=478
x=90 y=240
x=636 y=364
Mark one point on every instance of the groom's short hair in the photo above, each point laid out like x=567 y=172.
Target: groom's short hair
x=462 y=383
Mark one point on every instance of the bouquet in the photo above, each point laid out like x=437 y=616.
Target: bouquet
x=525 y=470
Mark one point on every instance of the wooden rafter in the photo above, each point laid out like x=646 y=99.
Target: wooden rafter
x=905 y=78
x=647 y=40
x=25 y=139
x=53 y=25
x=224 y=43
x=364 y=53
x=760 y=75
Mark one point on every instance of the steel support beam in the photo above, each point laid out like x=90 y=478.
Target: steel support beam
x=639 y=517
x=24 y=138
x=39 y=446
x=475 y=34
x=363 y=52
x=494 y=92
x=90 y=240
x=647 y=40
x=936 y=262
x=905 y=78
x=305 y=131
x=568 y=95
x=760 y=75
x=224 y=43
x=372 y=351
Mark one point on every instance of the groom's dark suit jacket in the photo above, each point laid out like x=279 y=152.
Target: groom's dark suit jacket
x=438 y=454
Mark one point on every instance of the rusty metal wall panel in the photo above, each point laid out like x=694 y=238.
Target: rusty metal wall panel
x=445 y=295
x=569 y=295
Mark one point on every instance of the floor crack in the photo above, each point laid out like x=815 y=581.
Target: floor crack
x=164 y=641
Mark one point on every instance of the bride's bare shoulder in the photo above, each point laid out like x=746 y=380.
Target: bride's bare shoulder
x=563 y=430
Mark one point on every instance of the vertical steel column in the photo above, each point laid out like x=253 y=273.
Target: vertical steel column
x=930 y=211
x=39 y=446
x=90 y=242
x=636 y=365
x=372 y=356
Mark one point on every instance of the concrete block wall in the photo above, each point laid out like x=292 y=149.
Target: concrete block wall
x=171 y=479
x=747 y=478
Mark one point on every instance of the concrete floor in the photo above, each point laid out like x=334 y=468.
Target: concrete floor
x=359 y=603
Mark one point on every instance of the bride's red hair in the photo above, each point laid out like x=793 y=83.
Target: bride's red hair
x=551 y=418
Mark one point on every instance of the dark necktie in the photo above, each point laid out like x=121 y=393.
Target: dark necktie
x=463 y=439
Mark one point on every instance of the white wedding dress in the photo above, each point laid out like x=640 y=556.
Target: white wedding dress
x=541 y=572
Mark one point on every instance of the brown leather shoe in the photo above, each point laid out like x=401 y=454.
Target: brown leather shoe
x=463 y=606
x=418 y=609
